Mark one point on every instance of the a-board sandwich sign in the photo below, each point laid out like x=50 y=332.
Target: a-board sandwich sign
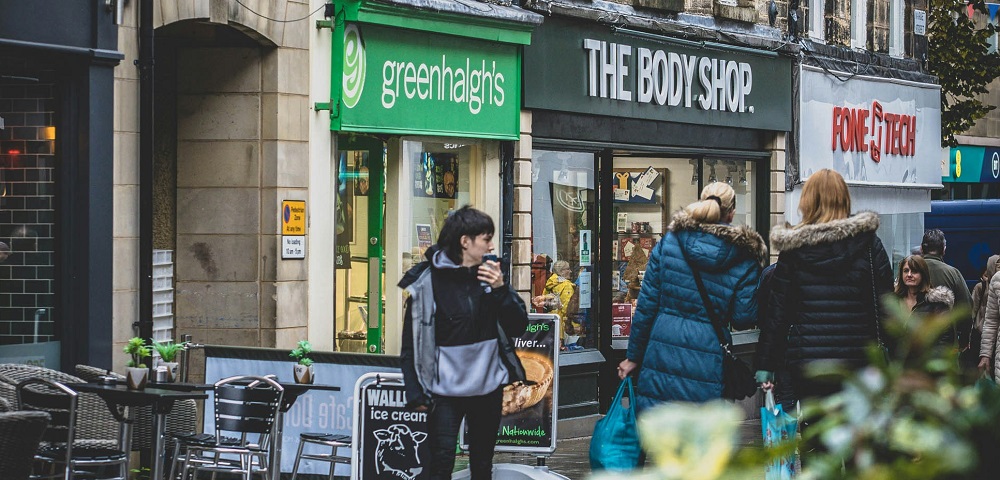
x=528 y=421
x=390 y=439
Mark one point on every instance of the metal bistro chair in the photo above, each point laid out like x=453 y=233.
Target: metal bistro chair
x=327 y=440
x=61 y=402
x=20 y=434
x=245 y=409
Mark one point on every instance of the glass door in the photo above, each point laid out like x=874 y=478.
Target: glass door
x=359 y=245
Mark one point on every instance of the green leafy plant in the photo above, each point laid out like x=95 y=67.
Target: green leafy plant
x=136 y=347
x=141 y=473
x=302 y=352
x=958 y=54
x=167 y=350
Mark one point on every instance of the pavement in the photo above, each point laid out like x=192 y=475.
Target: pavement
x=572 y=457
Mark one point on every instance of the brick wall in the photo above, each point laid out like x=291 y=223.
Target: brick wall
x=27 y=204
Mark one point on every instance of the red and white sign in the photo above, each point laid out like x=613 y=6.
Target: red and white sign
x=873 y=131
x=621 y=320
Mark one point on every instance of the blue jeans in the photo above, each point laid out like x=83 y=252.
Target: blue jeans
x=482 y=414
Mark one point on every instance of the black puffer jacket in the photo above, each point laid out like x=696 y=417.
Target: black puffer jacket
x=821 y=302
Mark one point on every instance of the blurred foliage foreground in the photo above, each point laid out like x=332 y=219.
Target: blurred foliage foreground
x=911 y=414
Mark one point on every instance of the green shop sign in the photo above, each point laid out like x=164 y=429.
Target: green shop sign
x=586 y=68
x=968 y=164
x=404 y=71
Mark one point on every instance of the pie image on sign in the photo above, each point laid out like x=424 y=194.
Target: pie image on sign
x=520 y=396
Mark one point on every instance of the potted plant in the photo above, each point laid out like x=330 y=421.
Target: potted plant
x=137 y=372
x=168 y=355
x=304 y=368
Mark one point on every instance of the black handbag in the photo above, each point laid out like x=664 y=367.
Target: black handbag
x=737 y=379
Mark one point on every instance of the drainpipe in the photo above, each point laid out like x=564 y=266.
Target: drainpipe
x=507 y=207
x=144 y=325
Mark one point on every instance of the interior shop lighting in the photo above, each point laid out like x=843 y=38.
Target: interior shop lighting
x=711 y=177
x=694 y=171
x=743 y=177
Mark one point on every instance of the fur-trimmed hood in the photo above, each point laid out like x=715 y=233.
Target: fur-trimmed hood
x=831 y=245
x=790 y=238
x=740 y=237
x=941 y=295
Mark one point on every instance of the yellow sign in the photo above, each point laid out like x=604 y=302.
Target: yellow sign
x=293 y=217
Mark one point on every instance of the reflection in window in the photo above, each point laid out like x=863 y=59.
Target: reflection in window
x=564 y=254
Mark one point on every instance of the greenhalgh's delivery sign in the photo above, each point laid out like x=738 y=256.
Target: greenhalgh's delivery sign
x=400 y=81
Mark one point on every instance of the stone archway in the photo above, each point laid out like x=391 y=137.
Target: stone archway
x=230 y=102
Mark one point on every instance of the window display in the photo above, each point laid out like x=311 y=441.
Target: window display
x=646 y=192
x=563 y=224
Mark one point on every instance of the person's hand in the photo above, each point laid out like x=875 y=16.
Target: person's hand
x=984 y=363
x=766 y=386
x=490 y=273
x=625 y=368
x=421 y=408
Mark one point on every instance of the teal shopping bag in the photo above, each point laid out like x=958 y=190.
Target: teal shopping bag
x=615 y=444
x=778 y=428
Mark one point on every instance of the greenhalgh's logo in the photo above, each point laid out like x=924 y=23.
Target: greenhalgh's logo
x=354 y=66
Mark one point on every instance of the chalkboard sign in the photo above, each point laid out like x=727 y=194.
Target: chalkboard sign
x=390 y=440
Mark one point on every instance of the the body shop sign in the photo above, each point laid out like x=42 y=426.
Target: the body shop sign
x=583 y=68
x=414 y=82
x=873 y=131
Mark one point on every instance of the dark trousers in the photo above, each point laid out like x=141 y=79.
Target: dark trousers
x=482 y=414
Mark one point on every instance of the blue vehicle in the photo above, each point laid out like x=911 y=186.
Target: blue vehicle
x=972 y=229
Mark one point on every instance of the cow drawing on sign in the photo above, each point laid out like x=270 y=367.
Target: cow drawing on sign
x=396 y=454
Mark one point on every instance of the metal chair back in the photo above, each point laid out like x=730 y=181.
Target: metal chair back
x=59 y=402
x=246 y=408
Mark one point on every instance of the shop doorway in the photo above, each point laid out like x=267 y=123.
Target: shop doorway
x=359 y=257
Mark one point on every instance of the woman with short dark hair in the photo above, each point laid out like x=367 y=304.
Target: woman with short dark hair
x=457 y=354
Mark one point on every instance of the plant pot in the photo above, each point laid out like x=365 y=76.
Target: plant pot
x=303 y=374
x=136 y=377
x=172 y=371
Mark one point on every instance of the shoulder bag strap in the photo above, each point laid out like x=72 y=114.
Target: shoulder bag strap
x=716 y=322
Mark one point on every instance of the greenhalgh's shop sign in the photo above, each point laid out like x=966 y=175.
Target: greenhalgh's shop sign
x=576 y=67
x=406 y=71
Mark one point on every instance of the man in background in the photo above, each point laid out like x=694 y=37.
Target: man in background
x=933 y=247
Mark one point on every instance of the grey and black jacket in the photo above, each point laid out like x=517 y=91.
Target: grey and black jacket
x=456 y=336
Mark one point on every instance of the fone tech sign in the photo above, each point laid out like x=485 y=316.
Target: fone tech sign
x=415 y=82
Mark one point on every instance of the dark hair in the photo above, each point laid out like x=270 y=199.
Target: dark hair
x=917 y=265
x=933 y=242
x=461 y=222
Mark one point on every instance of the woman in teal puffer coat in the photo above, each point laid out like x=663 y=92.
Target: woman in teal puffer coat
x=672 y=342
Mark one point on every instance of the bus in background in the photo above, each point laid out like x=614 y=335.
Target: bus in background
x=972 y=229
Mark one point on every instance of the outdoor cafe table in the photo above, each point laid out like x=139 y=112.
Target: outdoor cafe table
x=161 y=400
x=292 y=391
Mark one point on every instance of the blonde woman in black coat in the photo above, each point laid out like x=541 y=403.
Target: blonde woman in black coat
x=824 y=302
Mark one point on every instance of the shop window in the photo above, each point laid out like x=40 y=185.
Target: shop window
x=27 y=218
x=564 y=214
x=427 y=179
x=647 y=191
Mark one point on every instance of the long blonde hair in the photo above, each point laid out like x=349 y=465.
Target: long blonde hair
x=825 y=197
x=717 y=200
